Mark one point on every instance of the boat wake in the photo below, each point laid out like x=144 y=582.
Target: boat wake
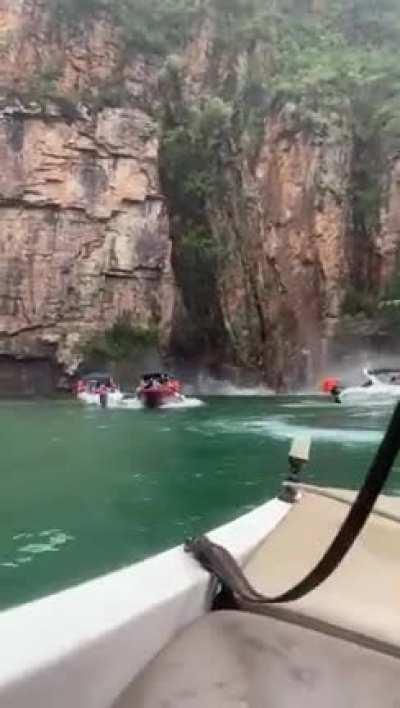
x=184 y=403
x=136 y=405
x=315 y=403
x=279 y=428
x=132 y=404
x=282 y=429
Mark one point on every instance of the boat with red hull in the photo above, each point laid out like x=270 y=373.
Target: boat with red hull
x=157 y=389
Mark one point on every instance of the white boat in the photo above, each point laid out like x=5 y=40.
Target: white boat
x=380 y=385
x=144 y=637
x=98 y=389
x=93 y=399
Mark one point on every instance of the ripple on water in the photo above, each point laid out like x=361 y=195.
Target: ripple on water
x=310 y=404
x=46 y=541
x=19 y=536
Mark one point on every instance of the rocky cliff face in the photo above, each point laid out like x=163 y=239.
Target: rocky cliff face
x=286 y=246
x=84 y=230
x=85 y=225
x=387 y=237
x=291 y=266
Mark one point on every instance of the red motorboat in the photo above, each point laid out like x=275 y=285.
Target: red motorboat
x=157 y=389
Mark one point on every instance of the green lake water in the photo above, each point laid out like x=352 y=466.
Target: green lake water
x=85 y=491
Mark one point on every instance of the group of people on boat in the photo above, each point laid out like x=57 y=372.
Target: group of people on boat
x=154 y=390
x=96 y=387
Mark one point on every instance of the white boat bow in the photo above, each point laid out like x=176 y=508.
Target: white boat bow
x=83 y=646
x=93 y=399
x=379 y=386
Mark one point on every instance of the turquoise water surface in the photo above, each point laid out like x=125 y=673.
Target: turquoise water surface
x=85 y=490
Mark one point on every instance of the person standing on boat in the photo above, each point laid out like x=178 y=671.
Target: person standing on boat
x=335 y=393
x=103 y=393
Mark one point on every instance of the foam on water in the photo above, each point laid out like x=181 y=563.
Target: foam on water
x=47 y=541
x=375 y=401
x=311 y=404
x=133 y=404
x=228 y=389
x=185 y=403
x=281 y=428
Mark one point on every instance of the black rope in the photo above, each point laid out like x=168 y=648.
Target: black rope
x=219 y=561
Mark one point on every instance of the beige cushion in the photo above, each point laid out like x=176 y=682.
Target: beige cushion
x=362 y=597
x=238 y=660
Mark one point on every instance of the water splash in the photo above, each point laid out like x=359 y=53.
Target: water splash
x=208 y=386
x=133 y=404
x=314 y=403
x=184 y=403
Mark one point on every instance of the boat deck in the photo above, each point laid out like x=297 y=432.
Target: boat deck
x=240 y=660
x=361 y=599
x=338 y=646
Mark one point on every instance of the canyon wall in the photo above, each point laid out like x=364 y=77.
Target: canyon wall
x=91 y=228
x=83 y=225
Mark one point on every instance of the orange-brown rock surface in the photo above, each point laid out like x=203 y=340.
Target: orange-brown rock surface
x=84 y=229
x=85 y=222
x=293 y=259
x=83 y=225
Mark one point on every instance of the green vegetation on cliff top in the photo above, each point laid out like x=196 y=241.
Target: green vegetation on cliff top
x=120 y=342
x=346 y=44
x=146 y=25
x=321 y=54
